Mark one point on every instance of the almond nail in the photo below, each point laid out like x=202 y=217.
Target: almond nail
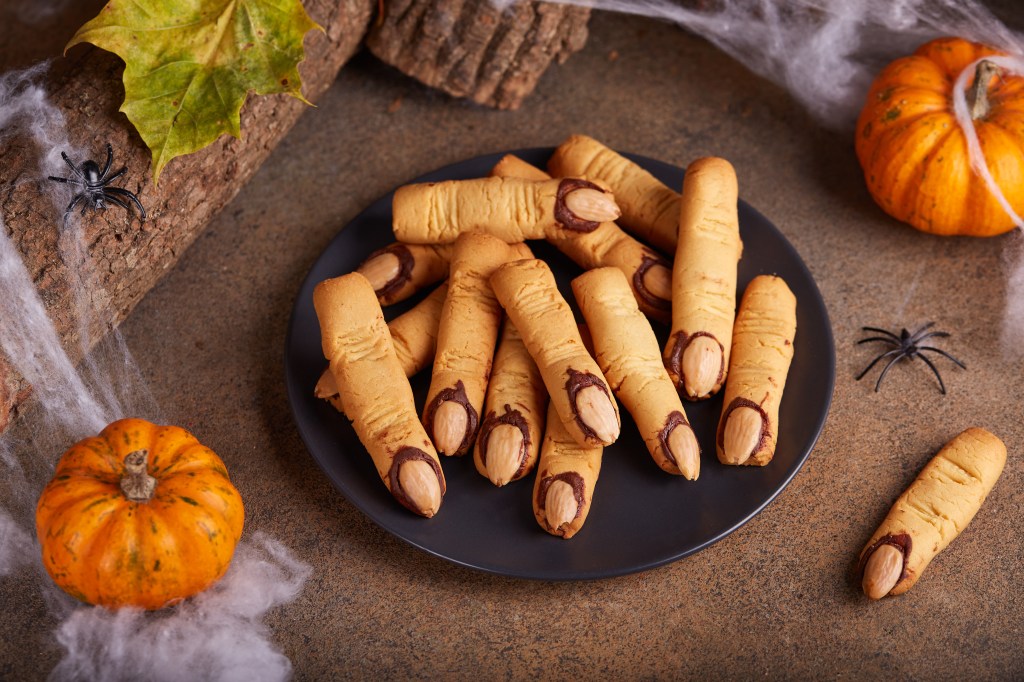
x=685 y=451
x=596 y=411
x=419 y=482
x=592 y=204
x=702 y=364
x=450 y=423
x=559 y=505
x=658 y=282
x=504 y=453
x=882 y=571
x=742 y=434
x=380 y=270
x=326 y=387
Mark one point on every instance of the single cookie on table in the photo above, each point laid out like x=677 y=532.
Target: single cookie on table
x=509 y=437
x=704 y=279
x=563 y=490
x=375 y=392
x=414 y=336
x=650 y=209
x=398 y=270
x=936 y=508
x=762 y=349
x=512 y=209
x=466 y=336
x=630 y=356
x=578 y=389
x=649 y=273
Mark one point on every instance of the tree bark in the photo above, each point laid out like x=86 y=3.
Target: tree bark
x=469 y=48
x=127 y=256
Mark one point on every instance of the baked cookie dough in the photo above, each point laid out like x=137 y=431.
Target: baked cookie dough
x=578 y=389
x=929 y=514
x=649 y=273
x=466 y=336
x=375 y=392
x=649 y=208
x=398 y=271
x=414 y=336
x=512 y=209
x=628 y=353
x=563 y=490
x=509 y=438
x=762 y=349
x=704 y=279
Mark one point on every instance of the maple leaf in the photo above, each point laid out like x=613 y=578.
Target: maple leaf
x=189 y=64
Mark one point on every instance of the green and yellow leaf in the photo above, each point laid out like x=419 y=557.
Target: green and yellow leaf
x=189 y=64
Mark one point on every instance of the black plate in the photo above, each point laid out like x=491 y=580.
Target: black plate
x=641 y=517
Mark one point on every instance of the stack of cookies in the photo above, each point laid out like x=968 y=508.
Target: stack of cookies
x=516 y=379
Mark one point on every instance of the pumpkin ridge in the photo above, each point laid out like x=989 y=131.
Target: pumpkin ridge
x=79 y=473
x=160 y=548
x=929 y=162
x=938 y=188
x=74 y=498
x=205 y=495
x=93 y=551
x=192 y=457
x=90 y=454
x=867 y=148
x=199 y=553
x=889 y=170
x=928 y=205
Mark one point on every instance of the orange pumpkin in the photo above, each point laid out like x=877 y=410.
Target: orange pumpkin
x=141 y=515
x=914 y=153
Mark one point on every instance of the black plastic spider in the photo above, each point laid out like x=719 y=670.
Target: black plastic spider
x=94 y=183
x=906 y=345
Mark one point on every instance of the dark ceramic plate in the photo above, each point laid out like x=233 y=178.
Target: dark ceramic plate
x=641 y=517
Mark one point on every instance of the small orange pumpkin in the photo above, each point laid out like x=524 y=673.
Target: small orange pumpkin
x=914 y=153
x=141 y=515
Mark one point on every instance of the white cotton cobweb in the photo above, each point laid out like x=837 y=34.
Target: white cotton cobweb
x=824 y=52
x=218 y=634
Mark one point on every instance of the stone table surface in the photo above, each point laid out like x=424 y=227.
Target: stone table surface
x=777 y=598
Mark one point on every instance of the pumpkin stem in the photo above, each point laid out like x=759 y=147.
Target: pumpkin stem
x=977 y=96
x=136 y=484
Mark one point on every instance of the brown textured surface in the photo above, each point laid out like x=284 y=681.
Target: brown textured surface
x=776 y=599
x=469 y=48
x=129 y=256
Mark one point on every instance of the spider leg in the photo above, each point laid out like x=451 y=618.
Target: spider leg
x=930 y=335
x=943 y=353
x=115 y=200
x=67 y=181
x=71 y=207
x=916 y=335
x=875 y=362
x=115 y=176
x=935 y=371
x=881 y=331
x=883 y=339
x=110 y=158
x=72 y=166
x=885 y=371
x=128 y=195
